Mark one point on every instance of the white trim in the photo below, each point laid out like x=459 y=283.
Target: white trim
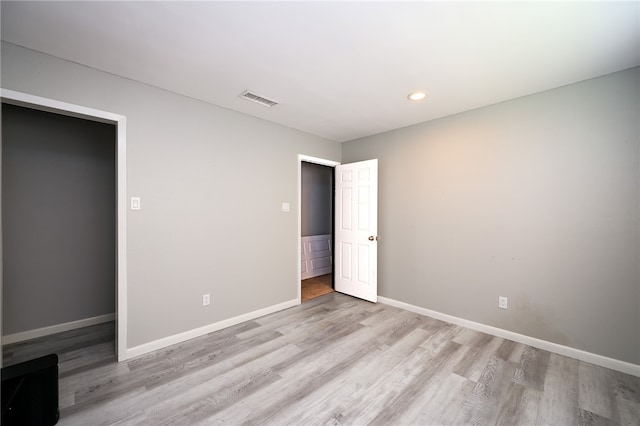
x=315 y=160
x=50 y=105
x=603 y=361
x=201 y=331
x=44 y=104
x=121 y=264
x=53 y=329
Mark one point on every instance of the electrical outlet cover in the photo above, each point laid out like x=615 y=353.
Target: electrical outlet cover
x=502 y=302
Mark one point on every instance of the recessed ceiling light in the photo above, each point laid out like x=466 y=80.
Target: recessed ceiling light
x=417 y=96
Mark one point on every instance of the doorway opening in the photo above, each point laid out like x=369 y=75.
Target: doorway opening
x=354 y=239
x=113 y=245
x=58 y=222
x=316 y=216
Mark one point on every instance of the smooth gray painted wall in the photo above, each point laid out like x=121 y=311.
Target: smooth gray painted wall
x=58 y=179
x=536 y=199
x=317 y=199
x=211 y=182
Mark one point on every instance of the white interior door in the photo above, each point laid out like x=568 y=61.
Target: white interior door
x=356 y=234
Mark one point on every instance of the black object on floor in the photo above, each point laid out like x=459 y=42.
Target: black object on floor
x=30 y=392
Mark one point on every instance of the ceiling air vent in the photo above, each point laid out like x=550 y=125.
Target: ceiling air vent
x=250 y=96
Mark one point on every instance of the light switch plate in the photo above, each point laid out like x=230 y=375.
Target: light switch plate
x=135 y=203
x=285 y=207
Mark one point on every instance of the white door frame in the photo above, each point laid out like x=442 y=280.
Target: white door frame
x=120 y=121
x=315 y=160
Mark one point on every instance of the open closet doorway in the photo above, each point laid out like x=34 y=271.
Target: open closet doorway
x=64 y=229
x=59 y=233
x=316 y=227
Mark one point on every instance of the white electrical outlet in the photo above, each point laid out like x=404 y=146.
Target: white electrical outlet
x=206 y=299
x=502 y=302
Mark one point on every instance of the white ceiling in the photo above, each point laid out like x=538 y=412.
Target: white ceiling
x=341 y=70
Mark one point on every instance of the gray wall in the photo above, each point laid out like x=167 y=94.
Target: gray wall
x=535 y=199
x=317 y=199
x=207 y=224
x=58 y=179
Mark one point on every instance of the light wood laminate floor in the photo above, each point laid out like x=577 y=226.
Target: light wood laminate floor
x=334 y=360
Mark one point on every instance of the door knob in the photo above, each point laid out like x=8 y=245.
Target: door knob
x=372 y=238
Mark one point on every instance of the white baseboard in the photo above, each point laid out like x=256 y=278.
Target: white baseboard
x=603 y=361
x=201 y=331
x=59 y=328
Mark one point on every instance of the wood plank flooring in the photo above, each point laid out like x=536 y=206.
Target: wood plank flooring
x=334 y=360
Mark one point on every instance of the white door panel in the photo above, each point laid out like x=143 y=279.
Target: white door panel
x=357 y=229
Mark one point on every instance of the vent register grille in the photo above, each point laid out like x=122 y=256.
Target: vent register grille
x=250 y=96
